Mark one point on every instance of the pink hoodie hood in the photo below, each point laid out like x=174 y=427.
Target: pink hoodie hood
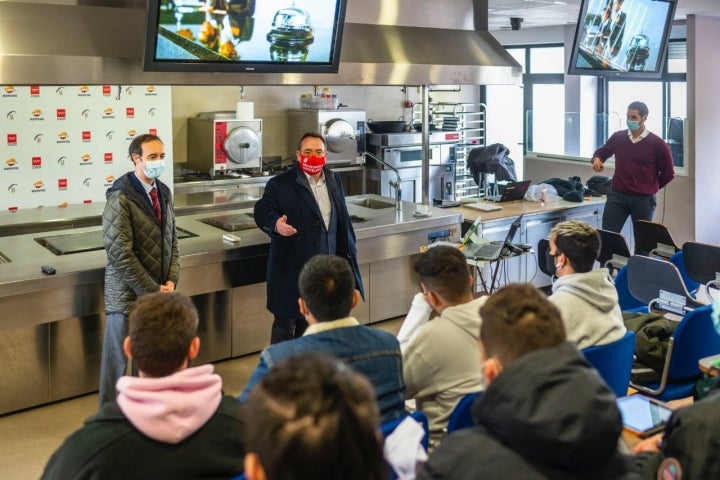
x=170 y=409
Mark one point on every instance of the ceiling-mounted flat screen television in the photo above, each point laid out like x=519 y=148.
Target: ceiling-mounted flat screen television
x=622 y=38
x=252 y=36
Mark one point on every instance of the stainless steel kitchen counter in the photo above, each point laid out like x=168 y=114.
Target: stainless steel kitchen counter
x=22 y=275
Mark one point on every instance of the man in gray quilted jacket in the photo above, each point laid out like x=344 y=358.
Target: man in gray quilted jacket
x=142 y=249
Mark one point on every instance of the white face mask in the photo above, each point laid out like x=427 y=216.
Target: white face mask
x=154 y=168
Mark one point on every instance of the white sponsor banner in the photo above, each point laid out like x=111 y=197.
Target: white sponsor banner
x=65 y=145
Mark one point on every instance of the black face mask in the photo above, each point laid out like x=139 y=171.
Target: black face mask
x=550 y=261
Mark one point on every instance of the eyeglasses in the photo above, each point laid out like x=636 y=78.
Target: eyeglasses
x=317 y=153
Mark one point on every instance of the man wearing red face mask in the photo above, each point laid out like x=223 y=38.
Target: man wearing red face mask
x=303 y=211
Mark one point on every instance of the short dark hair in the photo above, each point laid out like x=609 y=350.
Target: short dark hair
x=135 y=147
x=519 y=319
x=579 y=242
x=326 y=284
x=161 y=327
x=310 y=135
x=640 y=107
x=313 y=417
x=445 y=271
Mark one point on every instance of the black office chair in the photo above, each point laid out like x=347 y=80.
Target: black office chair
x=702 y=264
x=658 y=284
x=676 y=139
x=542 y=247
x=653 y=239
x=614 y=250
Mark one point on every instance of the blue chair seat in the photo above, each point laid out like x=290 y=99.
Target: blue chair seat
x=693 y=339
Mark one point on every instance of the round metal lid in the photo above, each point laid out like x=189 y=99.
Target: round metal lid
x=242 y=145
x=339 y=136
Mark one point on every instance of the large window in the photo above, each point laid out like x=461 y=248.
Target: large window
x=547 y=127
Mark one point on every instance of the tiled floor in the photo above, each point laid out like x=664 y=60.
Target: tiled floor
x=28 y=438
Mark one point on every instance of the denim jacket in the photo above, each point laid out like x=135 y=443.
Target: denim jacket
x=370 y=351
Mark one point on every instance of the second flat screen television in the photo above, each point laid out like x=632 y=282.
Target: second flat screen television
x=251 y=36
x=622 y=38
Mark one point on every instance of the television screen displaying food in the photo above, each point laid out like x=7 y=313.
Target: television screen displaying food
x=293 y=36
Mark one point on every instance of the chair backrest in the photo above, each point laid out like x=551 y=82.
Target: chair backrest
x=612 y=243
x=461 y=416
x=658 y=284
x=679 y=261
x=694 y=338
x=613 y=362
x=625 y=299
x=649 y=234
x=702 y=261
x=542 y=247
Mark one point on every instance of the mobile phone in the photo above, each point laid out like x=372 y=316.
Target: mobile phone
x=642 y=415
x=229 y=237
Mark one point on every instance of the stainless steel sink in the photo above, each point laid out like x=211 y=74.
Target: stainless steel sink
x=372 y=203
x=234 y=222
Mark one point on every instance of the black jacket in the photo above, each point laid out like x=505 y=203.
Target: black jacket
x=692 y=437
x=289 y=194
x=108 y=447
x=547 y=416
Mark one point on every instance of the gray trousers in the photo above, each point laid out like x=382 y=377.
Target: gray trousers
x=619 y=206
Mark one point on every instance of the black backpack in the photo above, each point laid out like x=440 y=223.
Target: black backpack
x=599 y=185
x=571 y=189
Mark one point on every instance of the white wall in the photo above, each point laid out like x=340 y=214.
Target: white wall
x=704 y=112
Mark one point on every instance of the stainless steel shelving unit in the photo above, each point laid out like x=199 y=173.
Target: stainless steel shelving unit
x=469 y=120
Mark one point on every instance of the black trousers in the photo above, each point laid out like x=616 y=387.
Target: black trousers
x=287 y=329
x=620 y=206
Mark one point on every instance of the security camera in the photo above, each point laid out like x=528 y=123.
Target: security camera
x=515 y=23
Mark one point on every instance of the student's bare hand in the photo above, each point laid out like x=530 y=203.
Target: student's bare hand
x=597 y=165
x=284 y=228
x=168 y=287
x=650 y=444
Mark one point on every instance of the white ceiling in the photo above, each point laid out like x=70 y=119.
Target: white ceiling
x=541 y=13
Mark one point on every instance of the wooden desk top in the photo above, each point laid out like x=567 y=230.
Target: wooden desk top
x=514 y=209
x=710 y=365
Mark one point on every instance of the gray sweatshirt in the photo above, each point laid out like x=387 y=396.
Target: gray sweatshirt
x=589 y=306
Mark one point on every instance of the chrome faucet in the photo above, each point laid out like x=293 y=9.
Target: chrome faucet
x=397 y=184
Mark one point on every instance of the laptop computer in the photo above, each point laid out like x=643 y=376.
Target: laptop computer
x=491 y=251
x=512 y=191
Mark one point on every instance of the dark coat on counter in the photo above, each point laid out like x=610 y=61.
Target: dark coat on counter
x=142 y=253
x=548 y=415
x=289 y=194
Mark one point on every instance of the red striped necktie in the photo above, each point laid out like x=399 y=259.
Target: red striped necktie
x=155 y=203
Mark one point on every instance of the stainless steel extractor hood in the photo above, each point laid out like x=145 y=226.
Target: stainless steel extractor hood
x=399 y=55
x=53 y=43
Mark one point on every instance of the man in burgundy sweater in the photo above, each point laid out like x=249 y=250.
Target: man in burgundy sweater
x=643 y=165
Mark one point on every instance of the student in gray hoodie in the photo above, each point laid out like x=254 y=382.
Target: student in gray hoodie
x=586 y=298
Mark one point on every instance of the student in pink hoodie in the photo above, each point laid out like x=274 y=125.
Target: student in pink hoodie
x=172 y=421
